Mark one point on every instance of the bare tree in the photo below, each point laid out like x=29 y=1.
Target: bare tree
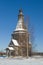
x=31 y=31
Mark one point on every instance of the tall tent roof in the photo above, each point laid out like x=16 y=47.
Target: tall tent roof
x=20 y=25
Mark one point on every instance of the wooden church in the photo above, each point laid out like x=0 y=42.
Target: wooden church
x=19 y=44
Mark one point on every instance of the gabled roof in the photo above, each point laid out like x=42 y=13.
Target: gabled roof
x=15 y=42
x=10 y=48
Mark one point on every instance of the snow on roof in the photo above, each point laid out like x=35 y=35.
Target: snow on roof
x=20 y=29
x=15 y=42
x=10 y=48
x=20 y=32
x=20 y=25
x=29 y=42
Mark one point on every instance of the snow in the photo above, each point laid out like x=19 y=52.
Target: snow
x=22 y=61
x=15 y=42
x=20 y=29
x=29 y=42
x=10 y=48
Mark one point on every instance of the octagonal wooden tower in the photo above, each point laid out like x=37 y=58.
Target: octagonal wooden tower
x=19 y=44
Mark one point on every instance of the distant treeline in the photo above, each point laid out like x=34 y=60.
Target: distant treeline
x=33 y=53
x=37 y=53
x=2 y=53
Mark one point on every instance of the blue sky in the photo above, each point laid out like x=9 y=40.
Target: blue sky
x=9 y=18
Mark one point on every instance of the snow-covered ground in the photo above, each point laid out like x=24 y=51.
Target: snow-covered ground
x=22 y=61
